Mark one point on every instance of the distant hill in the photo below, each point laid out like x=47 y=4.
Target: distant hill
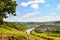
x=39 y=23
x=49 y=26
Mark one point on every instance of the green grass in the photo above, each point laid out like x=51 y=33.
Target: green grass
x=18 y=30
x=21 y=34
x=9 y=29
x=45 y=36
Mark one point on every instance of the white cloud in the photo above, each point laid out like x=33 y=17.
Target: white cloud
x=52 y=13
x=35 y=6
x=29 y=15
x=58 y=6
x=9 y=19
x=26 y=18
x=40 y=19
x=39 y=1
x=23 y=18
x=24 y=4
x=32 y=2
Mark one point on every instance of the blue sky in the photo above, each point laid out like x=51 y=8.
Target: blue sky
x=36 y=11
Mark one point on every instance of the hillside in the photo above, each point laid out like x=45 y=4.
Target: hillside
x=16 y=31
x=39 y=23
x=15 y=25
x=51 y=28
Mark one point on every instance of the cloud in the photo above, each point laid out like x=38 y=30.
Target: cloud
x=58 y=6
x=24 y=4
x=27 y=18
x=29 y=15
x=35 y=6
x=52 y=13
x=23 y=18
x=39 y=1
x=9 y=19
x=32 y=2
x=42 y=19
x=39 y=19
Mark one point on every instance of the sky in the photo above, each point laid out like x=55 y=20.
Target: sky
x=36 y=11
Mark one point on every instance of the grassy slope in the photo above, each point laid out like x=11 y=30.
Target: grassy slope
x=45 y=36
x=14 y=32
x=9 y=29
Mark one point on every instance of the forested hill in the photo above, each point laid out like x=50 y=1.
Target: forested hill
x=39 y=23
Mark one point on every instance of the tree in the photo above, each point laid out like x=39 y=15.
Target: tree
x=7 y=7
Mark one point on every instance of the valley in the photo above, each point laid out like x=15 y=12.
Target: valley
x=38 y=31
